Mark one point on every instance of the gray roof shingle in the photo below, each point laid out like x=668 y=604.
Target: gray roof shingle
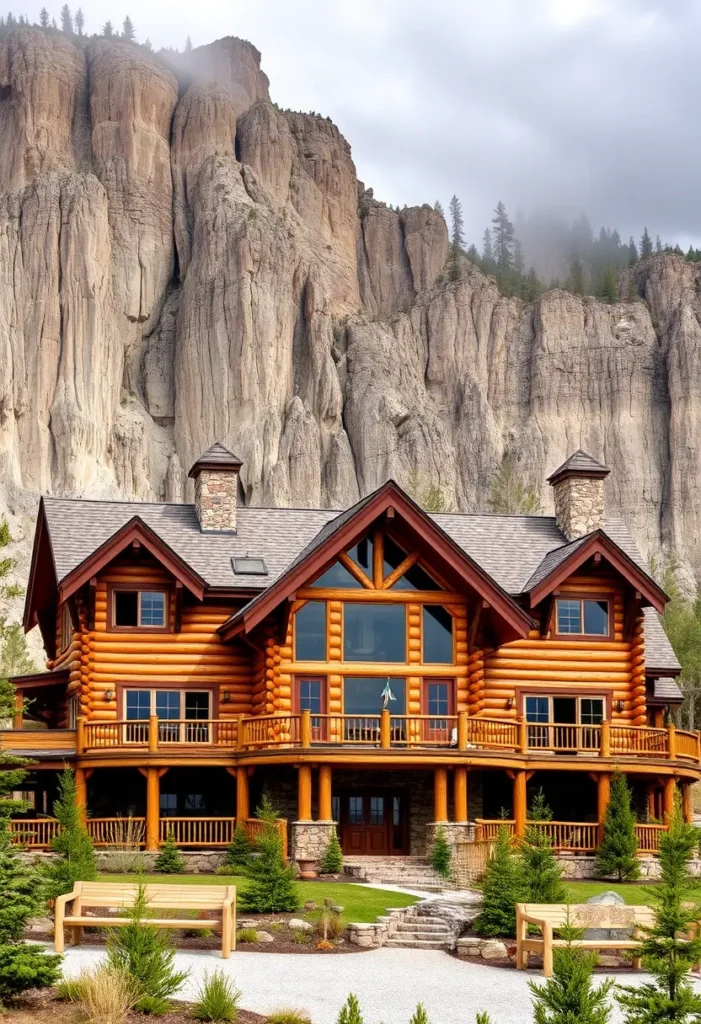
x=665 y=688
x=580 y=462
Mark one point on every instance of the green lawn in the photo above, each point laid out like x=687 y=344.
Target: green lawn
x=632 y=892
x=361 y=905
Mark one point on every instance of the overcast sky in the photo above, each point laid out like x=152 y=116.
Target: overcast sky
x=583 y=105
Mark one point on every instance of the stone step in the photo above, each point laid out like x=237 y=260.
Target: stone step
x=400 y=936
x=419 y=944
x=418 y=925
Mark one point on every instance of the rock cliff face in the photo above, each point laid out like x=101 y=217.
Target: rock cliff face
x=181 y=262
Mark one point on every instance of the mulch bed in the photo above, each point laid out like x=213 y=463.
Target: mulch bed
x=40 y=1007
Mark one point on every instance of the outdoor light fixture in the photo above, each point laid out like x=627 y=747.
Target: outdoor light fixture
x=619 y=705
x=109 y=696
x=225 y=697
x=510 y=703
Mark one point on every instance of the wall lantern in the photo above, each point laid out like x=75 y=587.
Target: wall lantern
x=109 y=696
x=619 y=706
x=510 y=703
x=225 y=697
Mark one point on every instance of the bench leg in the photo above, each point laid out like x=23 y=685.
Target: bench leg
x=547 y=960
x=226 y=933
x=636 y=963
x=58 y=937
x=76 y=936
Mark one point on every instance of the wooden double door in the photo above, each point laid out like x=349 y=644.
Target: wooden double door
x=374 y=822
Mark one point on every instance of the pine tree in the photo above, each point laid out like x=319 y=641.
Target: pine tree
x=169 y=861
x=440 y=854
x=332 y=861
x=148 y=45
x=487 y=249
x=503 y=235
x=502 y=889
x=271 y=887
x=44 y=18
x=419 y=1015
x=238 y=852
x=575 y=282
x=66 y=20
x=541 y=871
x=108 y=30
x=15 y=659
x=658 y=244
x=76 y=856
x=540 y=809
x=79 y=21
x=632 y=252
x=645 y=244
x=457 y=239
x=509 y=493
x=531 y=287
x=617 y=853
x=188 y=45
x=609 y=285
x=350 y=1012
x=438 y=208
x=665 y=954
x=518 y=258
x=128 y=33
x=569 y=996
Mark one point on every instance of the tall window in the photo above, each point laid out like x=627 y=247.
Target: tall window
x=374 y=632
x=582 y=616
x=364 y=695
x=310 y=632
x=438 y=635
x=139 y=609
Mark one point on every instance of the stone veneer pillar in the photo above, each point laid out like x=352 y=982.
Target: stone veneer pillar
x=309 y=839
x=215 y=499
x=579 y=505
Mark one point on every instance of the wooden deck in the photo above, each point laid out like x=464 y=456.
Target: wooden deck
x=570 y=836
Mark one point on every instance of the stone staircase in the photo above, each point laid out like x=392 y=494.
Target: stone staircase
x=408 y=872
x=434 y=923
x=424 y=931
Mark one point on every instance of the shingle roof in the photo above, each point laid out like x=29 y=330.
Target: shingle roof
x=665 y=688
x=513 y=550
x=552 y=560
x=579 y=463
x=216 y=457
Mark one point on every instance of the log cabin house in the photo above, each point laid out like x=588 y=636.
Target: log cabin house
x=383 y=668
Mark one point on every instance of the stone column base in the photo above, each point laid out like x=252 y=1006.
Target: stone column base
x=455 y=832
x=309 y=839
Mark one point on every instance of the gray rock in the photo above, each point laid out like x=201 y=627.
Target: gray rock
x=608 y=898
x=264 y=937
x=297 y=924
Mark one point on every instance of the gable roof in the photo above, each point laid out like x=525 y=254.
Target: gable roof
x=216 y=457
x=580 y=463
x=352 y=524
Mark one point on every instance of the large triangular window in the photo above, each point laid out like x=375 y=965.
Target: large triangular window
x=413 y=578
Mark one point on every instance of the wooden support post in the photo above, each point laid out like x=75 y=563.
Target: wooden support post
x=325 y=796
x=460 y=793
x=153 y=734
x=243 y=811
x=81 y=792
x=462 y=730
x=385 y=729
x=672 y=741
x=605 y=748
x=19 y=710
x=670 y=787
x=153 y=808
x=239 y=732
x=651 y=800
x=440 y=794
x=305 y=729
x=520 y=808
x=522 y=735
x=304 y=793
x=80 y=735
x=686 y=803
x=603 y=793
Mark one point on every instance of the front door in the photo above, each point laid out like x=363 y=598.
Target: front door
x=374 y=823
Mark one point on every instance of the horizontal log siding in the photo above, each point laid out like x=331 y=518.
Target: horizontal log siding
x=193 y=655
x=614 y=667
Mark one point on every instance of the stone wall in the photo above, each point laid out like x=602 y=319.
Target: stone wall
x=197 y=862
x=579 y=505
x=215 y=499
x=309 y=839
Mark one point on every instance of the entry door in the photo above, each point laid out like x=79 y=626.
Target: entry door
x=374 y=822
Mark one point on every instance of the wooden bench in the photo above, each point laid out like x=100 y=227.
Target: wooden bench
x=550 y=917
x=159 y=897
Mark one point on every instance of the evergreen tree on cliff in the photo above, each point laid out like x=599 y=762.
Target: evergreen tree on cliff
x=44 y=18
x=79 y=21
x=632 y=252
x=645 y=244
x=438 y=208
x=128 y=33
x=503 y=235
x=457 y=239
x=66 y=20
x=487 y=249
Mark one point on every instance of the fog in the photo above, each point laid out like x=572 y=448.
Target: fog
x=578 y=105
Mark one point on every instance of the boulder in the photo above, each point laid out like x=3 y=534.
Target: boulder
x=298 y=925
x=264 y=937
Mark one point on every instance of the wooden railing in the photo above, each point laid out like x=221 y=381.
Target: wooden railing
x=575 y=836
x=118 y=831
x=254 y=827
x=489 y=829
x=492 y=733
x=37 y=739
x=154 y=733
x=564 y=738
x=269 y=731
x=33 y=834
x=210 y=832
x=639 y=739
x=649 y=837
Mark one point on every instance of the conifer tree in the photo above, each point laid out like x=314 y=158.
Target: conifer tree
x=128 y=33
x=148 y=45
x=510 y=493
x=238 y=852
x=169 y=861
x=332 y=861
x=487 y=248
x=503 y=239
x=440 y=854
x=437 y=206
x=419 y=1015
x=632 y=252
x=575 y=282
x=542 y=873
x=66 y=20
x=658 y=244
x=502 y=889
x=540 y=809
x=518 y=258
x=350 y=1011
x=44 y=18
x=79 y=21
x=609 y=285
x=76 y=855
x=645 y=244
x=617 y=853
x=531 y=287
x=569 y=997
x=666 y=954
x=188 y=45
x=271 y=887
x=457 y=239
x=108 y=30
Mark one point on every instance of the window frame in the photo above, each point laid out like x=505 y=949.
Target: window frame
x=453 y=639
x=582 y=597
x=373 y=661
x=139 y=589
x=308 y=677
x=452 y=688
x=295 y=655
x=174 y=688
x=551 y=692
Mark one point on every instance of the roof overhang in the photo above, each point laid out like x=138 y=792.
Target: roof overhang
x=135 y=530
x=41 y=680
x=513 y=621
x=600 y=543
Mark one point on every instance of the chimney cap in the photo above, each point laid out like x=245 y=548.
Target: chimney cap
x=216 y=457
x=580 y=464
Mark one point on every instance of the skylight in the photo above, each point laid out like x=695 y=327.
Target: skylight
x=249 y=565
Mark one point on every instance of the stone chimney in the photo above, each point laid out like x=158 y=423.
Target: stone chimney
x=216 y=475
x=579 y=494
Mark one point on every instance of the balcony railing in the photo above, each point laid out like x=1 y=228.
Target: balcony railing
x=570 y=836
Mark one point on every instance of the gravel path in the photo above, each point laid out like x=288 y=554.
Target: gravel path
x=388 y=982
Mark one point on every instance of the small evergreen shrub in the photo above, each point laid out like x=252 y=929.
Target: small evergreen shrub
x=271 y=887
x=419 y=1015
x=147 y=955
x=539 y=809
x=483 y=1017
x=350 y=1012
x=332 y=861
x=300 y=937
x=440 y=854
x=105 y=995
x=217 y=999
x=76 y=855
x=287 y=1015
x=617 y=852
x=238 y=853
x=502 y=889
x=541 y=871
x=247 y=935
x=569 y=996
x=169 y=861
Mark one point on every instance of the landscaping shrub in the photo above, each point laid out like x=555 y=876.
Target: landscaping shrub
x=483 y=1017
x=169 y=861
x=539 y=809
x=350 y=1012
x=541 y=871
x=332 y=861
x=75 y=860
x=238 y=853
x=271 y=887
x=289 y=1016
x=617 y=853
x=217 y=999
x=665 y=953
x=105 y=995
x=247 y=935
x=300 y=937
x=502 y=889
x=569 y=996
x=147 y=955
x=440 y=854
x=330 y=924
x=419 y=1016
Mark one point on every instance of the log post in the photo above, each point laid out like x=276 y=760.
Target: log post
x=651 y=800
x=603 y=794
x=522 y=735
x=385 y=730
x=440 y=794
x=670 y=786
x=81 y=792
x=686 y=803
x=153 y=809
x=672 y=741
x=80 y=735
x=520 y=807
x=239 y=732
x=325 y=793
x=460 y=793
x=153 y=734
x=605 y=741
x=305 y=729
x=19 y=710
x=462 y=730
x=243 y=811
x=304 y=793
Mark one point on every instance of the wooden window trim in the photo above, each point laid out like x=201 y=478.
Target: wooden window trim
x=452 y=687
x=125 y=687
x=161 y=588
x=376 y=664
x=578 y=596
x=558 y=691
x=120 y=688
x=303 y=677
